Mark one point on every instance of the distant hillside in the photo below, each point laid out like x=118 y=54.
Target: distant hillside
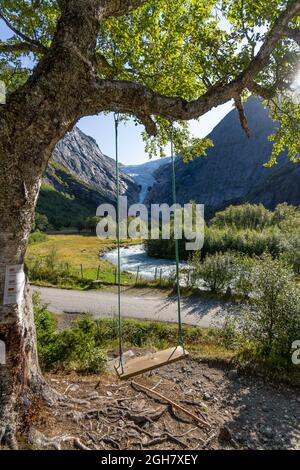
x=79 y=177
x=233 y=170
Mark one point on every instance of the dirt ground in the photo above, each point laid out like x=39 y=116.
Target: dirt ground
x=101 y=412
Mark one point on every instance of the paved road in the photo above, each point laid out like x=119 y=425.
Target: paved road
x=141 y=305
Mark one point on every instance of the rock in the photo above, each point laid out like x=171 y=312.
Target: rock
x=128 y=355
x=109 y=394
x=206 y=396
x=225 y=434
x=232 y=374
x=267 y=431
x=80 y=170
x=74 y=388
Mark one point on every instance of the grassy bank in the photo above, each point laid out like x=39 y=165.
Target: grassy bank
x=87 y=345
x=73 y=261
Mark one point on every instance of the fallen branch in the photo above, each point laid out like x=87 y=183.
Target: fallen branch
x=171 y=402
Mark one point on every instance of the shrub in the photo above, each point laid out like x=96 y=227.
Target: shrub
x=244 y=282
x=245 y=216
x=41 y=222
x=217 y=271
x=274 y=322
x=37 y=237
x=292 y=253
x=72 y=349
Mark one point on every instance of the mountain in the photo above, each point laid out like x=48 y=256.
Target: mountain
x=143 y=174
x=281 y=186
x=79 y=177
x=232 y=171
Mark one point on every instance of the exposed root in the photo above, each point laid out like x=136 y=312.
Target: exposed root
x=39 y=440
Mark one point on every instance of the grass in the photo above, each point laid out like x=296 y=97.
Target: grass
x=85 y=345
x=57 y=261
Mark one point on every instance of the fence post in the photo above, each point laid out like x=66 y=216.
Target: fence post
x=98 y=272
x=160 y=276
x=137 y=275
x=81 y=270
x=115 y=275
x=155 y=275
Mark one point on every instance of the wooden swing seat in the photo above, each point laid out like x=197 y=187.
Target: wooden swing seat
x=152 y=361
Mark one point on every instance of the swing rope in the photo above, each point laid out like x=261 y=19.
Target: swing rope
x=117 y=120
x=180 y=339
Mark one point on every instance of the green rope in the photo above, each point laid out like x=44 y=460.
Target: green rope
x=116 y=118
x=180 y=340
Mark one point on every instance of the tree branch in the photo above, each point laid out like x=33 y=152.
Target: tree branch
x=243 y=119
x=22 y=47
x=29 y=41
x=136 y=99
x=118 y=7
x=293 y=34
x=149 y=124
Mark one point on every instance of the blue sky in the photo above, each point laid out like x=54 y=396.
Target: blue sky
x=132 y=149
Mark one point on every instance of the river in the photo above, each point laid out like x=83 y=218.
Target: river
x=135 y=256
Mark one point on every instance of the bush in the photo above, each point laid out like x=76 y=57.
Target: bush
x=37 y=237
x=292 y=253
x=217 y=271
x=72 y=349
x=41 y=222
x=274 y=322
x=244 y=282
x=245 y=216
x=248 y=229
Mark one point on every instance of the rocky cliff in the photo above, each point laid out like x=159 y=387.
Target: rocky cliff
x=79 y=177
x=232 y=171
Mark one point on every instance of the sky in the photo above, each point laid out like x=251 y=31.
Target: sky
x=132 y=147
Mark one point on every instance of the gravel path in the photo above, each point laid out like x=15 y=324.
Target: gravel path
x=143 y=305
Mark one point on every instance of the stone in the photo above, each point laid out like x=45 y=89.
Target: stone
x=225 y=434
x=85 y=173
x=232 y=374
x=267 y=431
x=206 y=396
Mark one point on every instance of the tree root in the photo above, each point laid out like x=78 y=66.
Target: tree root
x=39 y=440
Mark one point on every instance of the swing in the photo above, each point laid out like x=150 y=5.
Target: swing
x=140 y=365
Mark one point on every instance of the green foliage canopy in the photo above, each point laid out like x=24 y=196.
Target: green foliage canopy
x=178 y=48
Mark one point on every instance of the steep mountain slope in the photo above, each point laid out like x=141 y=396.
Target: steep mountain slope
x=283 y=185
x=233 y=170
x=79 y=177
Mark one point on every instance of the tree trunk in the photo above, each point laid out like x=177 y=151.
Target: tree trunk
x=19 y=372
x=33 y=120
